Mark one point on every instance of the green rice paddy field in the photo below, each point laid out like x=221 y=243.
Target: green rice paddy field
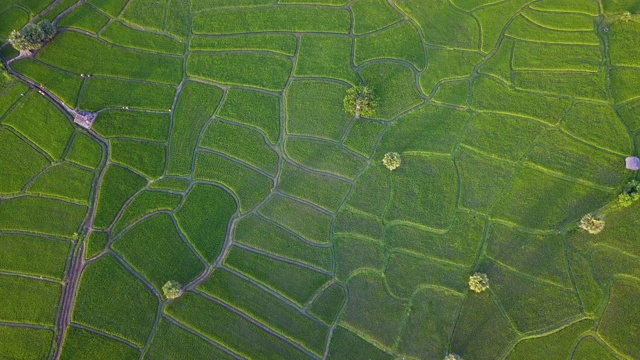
x=222 y=158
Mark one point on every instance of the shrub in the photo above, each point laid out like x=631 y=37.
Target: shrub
x=31 y=36
x=391 y=160
x=171 y=289
x=453 y=357
x=478 y=282
x=360 y=101
x=626 y=16
x=630 y=194
x=592 y=224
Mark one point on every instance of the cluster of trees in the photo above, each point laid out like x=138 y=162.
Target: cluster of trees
x=360 y=101
x=32 y=36
x=593 y=224
x=391 y=160
x=630 y=194
x=171 y=289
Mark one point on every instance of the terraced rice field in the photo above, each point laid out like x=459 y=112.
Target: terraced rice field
x=222 y=158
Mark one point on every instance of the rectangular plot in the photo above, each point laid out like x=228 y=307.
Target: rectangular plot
x=33 y=255
x=249 y=186
x=85 y=151
x=321 y=190
x=371 y=192
x=328 y=305
x=172 y=342
x=324 y=156
x=41 y=122
x=263 y=71
x=29 y=301
x=325 y=56
x=196 y=104
x=146 y=158
x=351 y=221
x=64 y=180
x=72 y=51
x=309 y=222
x=25 y=343
x=406 y=272
x=259 y=234
x=230 y=329
x=120 y=34
x=79 y=343
x=558 y=20
x=41 y=215
x=99 y=93
x=579 y=6
x=280 y=43
x=523 y=29
x=292 y=281
x=577 y=84
x=133 y=124
x=63 y=85
x=401 y=42
x=267 y=309
x=84 y=17
x=536 y=56
x=276 y=19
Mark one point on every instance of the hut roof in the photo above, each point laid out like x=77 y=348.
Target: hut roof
x=633 y=163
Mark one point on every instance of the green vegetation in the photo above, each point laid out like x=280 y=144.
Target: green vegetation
x=80 y=342
x=478 y=282
x=31 y=36
x=42 y=305
x=391 y=160
x=360 y=101
x=171 y=290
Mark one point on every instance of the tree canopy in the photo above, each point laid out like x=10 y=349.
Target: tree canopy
x=31 y=36
x=360 y=101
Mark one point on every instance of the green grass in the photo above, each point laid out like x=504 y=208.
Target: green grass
x=458 y=244
x=344 y=343
x=19 y=250
x=249 y=186
x=400 y=42
x=172 y=342
x=392 y=83
x=303 y=219
x=481 y=179
x=64 y=180
x=491 y=95
x=442 y=23
x=323 y=156
x=264 y=112
x=280 y=43
x=229 y=329
x=196 y=104
x=41 y=122
x=321 y=190
x=144 y=203
x=371 y=190
x=207 y=233
x=259 y=234
x=84 y=151
x=154 y=248
x=559 y=21
x=118 y=185
x=325 y=56
x=84 y=17
x=25 y=343
x=100 y=93
x=267 y=309
x=504 y=136
x=560 y=153
x=371 y=15
x=430 y=202
x=292 y=19
x=264 y=71
x=363 y=136
x=96 y=243
x=120 y=34
x=367 y=295
x=447 y=64
x=111 y=7
x=327 y=306
x=523 y=29
x=352 y=221
x=111 y=299
x=42 y=304
x=426 y=129
x=41 y=215
x=80 y=343
x=133 y=124
x=146 y=158
x=246 y=145
x=405 y=272
x=63 y=85
x=598 y=125
x=314 y=108
x=558 y=345
x=540 y=56
x=356 y=254
x=429 y=323
x=78 y=53
x=293 y=282
x=20 y=162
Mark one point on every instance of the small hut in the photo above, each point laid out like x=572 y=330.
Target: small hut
x=84 y=118
x=633 y=163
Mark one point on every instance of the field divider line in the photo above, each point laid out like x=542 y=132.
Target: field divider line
x=532 y=277
x=281 y=258
x=264 y=327
x=317 y=172
x=426 y=258
x=31 y=276
x=305 y=202
x=133 y=271
x=201 y=149
x=572 y=278
x=105 y=334
x=27 y=326
x=282 y=227
x=201 y=336
x=559 y=175
x=185 y=240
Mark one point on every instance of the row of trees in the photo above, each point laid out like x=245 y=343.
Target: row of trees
x=32 y=36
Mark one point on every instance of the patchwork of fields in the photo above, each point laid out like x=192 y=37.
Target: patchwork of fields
x=222 y=158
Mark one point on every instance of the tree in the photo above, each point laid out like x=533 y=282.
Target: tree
x=360 y=101
x=453 y=356
x=478 y=282
x=31 y=36
x=391 y=160
x=593 y=224
x=171 y=289
x=626 y=16
x=630 y=194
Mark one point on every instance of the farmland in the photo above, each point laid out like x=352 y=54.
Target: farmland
x=222 y=159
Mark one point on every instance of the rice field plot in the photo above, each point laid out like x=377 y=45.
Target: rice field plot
x=325 y=56
x=284 y=44
x=263 y=114
x=26 y=343
x=118 y=185
x=43 y=298
x=84 y=17
x=100 y=93
x=144 y=157
x=144 y=203
x=64 y=85
x=41 y=215
x=20 y=162
x=80 y=342
x=172 y=341
x=65 y=181
x=84 y=151
x=20 y=250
